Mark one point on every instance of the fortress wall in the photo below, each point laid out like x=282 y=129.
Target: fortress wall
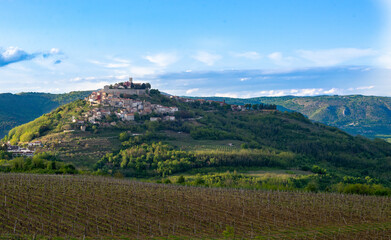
x=125 y=91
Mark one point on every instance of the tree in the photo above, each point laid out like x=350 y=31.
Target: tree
x=51 y=165
x=18 y=163
x=244 y=146
x=318 y=170
x=154 y=92
x=124 y=136
x=3 y=147
x=180 y=180
x=5 y=155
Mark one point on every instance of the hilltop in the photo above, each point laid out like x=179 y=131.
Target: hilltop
x=17 y=109
x=151 y=135
x=369 y=116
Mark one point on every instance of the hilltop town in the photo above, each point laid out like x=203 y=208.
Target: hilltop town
x=123 y=103
x=121 y=99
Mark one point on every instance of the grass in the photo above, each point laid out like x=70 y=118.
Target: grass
x=278 y=173
x=249 y=171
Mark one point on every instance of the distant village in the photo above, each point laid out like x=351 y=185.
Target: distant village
x=118 y=98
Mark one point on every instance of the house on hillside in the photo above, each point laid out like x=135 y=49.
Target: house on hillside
x=35 y=144
x=128 y=117
x=169 y=118
x=154 y=119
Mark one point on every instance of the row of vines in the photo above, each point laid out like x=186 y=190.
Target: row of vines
x=98 y=207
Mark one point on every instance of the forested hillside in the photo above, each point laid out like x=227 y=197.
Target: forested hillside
x=16 y=109
x=255 y=138
x=369 y=116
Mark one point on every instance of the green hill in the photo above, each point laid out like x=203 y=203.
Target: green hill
x=210 y=139
x=369 y=116
x=17 y=109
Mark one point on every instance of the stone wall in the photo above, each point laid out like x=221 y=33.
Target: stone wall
x=117 y=92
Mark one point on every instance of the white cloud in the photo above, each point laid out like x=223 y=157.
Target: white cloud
x=98 y=78
x=361 y=88
x=300 y=92
x=250 y=55
x=243 y=79
x=279 y=59
x=138 y=71
x=117 y=63
x=331 y=57
x=14 y=54
x=331 y=91
x=230 y=95
x=162 y=59
x=190 y=91
x=76 y=79
x=54 y=51
x=365 y=87
x=384 y=60
x=276 y=56
x=239 y=94
x=207 y=58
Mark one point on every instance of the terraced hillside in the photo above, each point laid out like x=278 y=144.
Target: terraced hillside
x=38 y=206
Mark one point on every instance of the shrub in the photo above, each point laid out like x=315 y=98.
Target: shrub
x=180 y=180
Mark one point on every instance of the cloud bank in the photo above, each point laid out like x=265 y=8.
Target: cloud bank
x=331 y=57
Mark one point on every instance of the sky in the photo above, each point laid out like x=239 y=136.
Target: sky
x=231 y=48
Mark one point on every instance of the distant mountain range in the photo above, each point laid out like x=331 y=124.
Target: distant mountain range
x=369 y=116
x=17 y=109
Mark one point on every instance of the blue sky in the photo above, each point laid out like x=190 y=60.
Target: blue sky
x=201 y=48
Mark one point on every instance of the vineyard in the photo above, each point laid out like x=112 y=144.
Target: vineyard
x=81 y=148
x=45 y=206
